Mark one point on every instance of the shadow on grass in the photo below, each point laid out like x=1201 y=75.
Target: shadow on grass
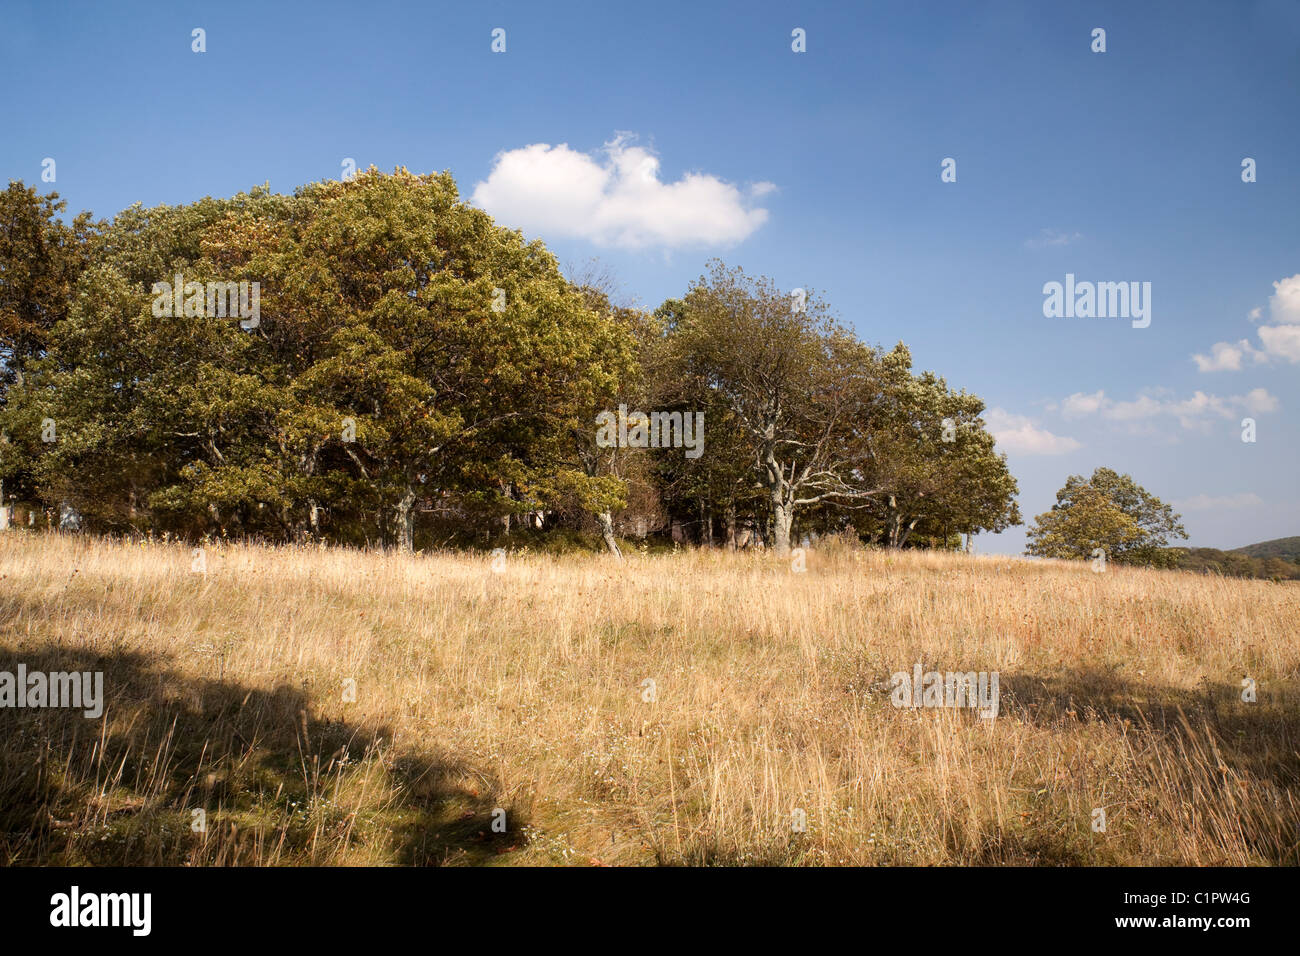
x=278 y=785
x=1228 y=759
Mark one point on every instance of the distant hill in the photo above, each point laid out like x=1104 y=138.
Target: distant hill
x=1288 y=549
x=1278 y=559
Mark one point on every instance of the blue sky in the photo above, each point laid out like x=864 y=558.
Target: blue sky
x=667 y=134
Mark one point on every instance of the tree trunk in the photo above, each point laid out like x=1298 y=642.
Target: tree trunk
x=782 y=517
x=706 y=523
x=896 y=536
x=406 y=521
x=606 y=521
x=731 y=526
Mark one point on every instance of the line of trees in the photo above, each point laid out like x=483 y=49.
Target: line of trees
x=1234 y=564
x=419 y=375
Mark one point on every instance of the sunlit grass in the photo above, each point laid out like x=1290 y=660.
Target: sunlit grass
x=525 y=691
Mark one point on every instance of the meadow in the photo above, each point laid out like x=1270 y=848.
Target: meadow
x=329 y=706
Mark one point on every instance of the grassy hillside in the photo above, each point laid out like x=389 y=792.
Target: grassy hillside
x=525 y=690
x=1286 y=548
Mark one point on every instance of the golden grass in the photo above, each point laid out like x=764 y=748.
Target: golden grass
x=524 y=690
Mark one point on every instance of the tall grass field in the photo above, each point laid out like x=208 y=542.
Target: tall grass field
x=311 y=706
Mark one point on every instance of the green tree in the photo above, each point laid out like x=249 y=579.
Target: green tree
x=576 y=472
x=1111 y=512
x=408 y=351
x=800 y=386
x=118 y=383
x=41 y=259
x=722 y=482
x=931 y=453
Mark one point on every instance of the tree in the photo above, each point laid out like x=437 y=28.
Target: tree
x=1277 y=569
x=1110 y=512
x=800 y=386
x=408 y=350
x=118 y=383
x=723 y=482
x=931 y=453
x=578 y=469
x=40 y=260
x=409 y=357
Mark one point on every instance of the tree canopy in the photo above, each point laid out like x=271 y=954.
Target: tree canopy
x=374 y=360
x=1110 y=512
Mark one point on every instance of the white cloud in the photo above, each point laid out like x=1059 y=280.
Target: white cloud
x=1225 y=357
x=1080 y=404
x=1149 y=404
x=1284 y=305
x=1018 y=433
x=1282 y=341
x=1259 y=400
x=1247 y=499
x=1279 y=340
x=615 y=198
x=1052 y=237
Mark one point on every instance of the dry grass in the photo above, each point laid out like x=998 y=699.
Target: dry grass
x=523 y=690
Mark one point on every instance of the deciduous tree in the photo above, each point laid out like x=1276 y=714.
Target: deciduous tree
x=1110 y=512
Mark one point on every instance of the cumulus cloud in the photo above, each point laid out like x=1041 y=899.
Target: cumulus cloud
x=1225 y=357
x=1193 y=412
x=1284 y=304
x=615 y=197
x=1279 y=340
x=1018 y=433
x=1247 y=499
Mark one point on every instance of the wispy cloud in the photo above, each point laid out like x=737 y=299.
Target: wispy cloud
x=1019 y=433
x=1155 y=403
x=1052 y=237
x=616 y=198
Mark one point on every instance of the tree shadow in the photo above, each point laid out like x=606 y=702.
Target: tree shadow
x=276 y=783
x=1240 y=757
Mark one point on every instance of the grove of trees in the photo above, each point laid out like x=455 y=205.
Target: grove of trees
x=420 y=376
x=1235 y=564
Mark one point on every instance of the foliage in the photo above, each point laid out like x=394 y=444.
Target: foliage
x=1238 y=564
x=1110 y=512
x=411 y=370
